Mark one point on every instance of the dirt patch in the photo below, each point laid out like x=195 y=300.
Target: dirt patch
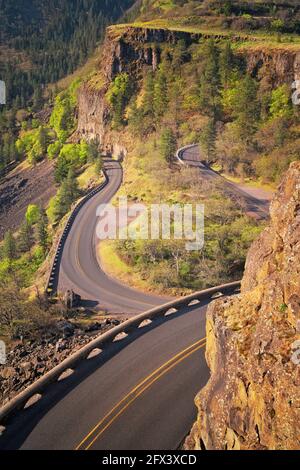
x=21 y=187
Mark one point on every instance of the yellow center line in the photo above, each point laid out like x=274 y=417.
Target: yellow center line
x=164 y=368
x=140 y=393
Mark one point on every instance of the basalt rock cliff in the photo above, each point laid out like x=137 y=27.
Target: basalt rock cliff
x=252 y=400
x=130 y=49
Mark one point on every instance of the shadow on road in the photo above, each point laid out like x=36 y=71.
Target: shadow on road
x=20 y=426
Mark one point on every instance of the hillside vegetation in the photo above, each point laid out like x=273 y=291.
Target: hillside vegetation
x=259 y=20
x=246 y=125
x=41 y=42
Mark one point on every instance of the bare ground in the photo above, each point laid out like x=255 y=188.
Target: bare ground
x=21 y=187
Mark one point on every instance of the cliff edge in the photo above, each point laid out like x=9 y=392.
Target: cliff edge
x=252 y=400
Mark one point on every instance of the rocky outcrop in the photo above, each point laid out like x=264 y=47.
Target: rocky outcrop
x=28 y=361
x=274 y=66
x=130 y=49
x=252 y=400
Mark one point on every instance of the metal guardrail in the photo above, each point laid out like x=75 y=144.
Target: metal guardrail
x=181 y=151
x=51 y=286
x=39 y=387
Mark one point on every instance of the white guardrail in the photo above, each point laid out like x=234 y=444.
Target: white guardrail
x=51 y=285
x=183 y=149
x=39 y=387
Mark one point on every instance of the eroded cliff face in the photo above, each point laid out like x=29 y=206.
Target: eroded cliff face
x=130 y=49
x=252 y=400
x=274 y=66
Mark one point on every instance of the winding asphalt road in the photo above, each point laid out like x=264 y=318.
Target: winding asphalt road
x=254 y=201
x=138 y=393
x=80 y=269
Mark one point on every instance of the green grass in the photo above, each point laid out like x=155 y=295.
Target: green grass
x=89 y=177
x=256 y=184
x=246 y=39
x=114 y=266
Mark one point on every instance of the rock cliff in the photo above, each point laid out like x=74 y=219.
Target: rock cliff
x=129 y=49
x=252 y=400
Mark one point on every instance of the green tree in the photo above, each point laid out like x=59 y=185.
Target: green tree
x=54 y=149
x=118 y=96
x=42 y=231
x=160 y=99
x=247 y=108
x=99 y=166
x=209 y=92
x=148 y=98
x=168 y=144
x=32 y=214
x=67 y=194
x=281 y=105
x=179 y=54
x=62 y=119
x=208 y=140
x=37 y=99
x=241 y=102
x=226 y=64
x=9 y=246
x=25 y=239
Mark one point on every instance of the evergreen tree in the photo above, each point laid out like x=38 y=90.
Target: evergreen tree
x=25 y=239
x=118 y=95
x=37 y=99
x=160 y=95
x=93 y=151
x=148 y=98
x=42 y=140
x=208 y=140
x=9 y=246
x=168 y=144
x=226 y=64
x=209 y=93
x=136 y=119
x=247 y=108
x=42 y=231
x=99 y=166
x=179 y=54
x=68 y=193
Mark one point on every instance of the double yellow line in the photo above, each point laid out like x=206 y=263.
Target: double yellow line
x=146 y=383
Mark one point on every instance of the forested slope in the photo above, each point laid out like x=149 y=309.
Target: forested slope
x=47 y=40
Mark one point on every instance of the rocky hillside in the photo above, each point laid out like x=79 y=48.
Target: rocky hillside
x=129 y=48
x=252 y=400
x=249 y=15
x=41 y=41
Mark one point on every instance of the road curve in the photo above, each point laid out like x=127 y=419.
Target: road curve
x=137 y=394
x=254 y=201
x=80 y=269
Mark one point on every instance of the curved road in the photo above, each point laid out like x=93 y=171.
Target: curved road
x=80 y=269
x=138 y=393
x=254 y=201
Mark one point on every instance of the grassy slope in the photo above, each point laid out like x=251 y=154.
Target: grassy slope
x=253 y=39
x=205 y=18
